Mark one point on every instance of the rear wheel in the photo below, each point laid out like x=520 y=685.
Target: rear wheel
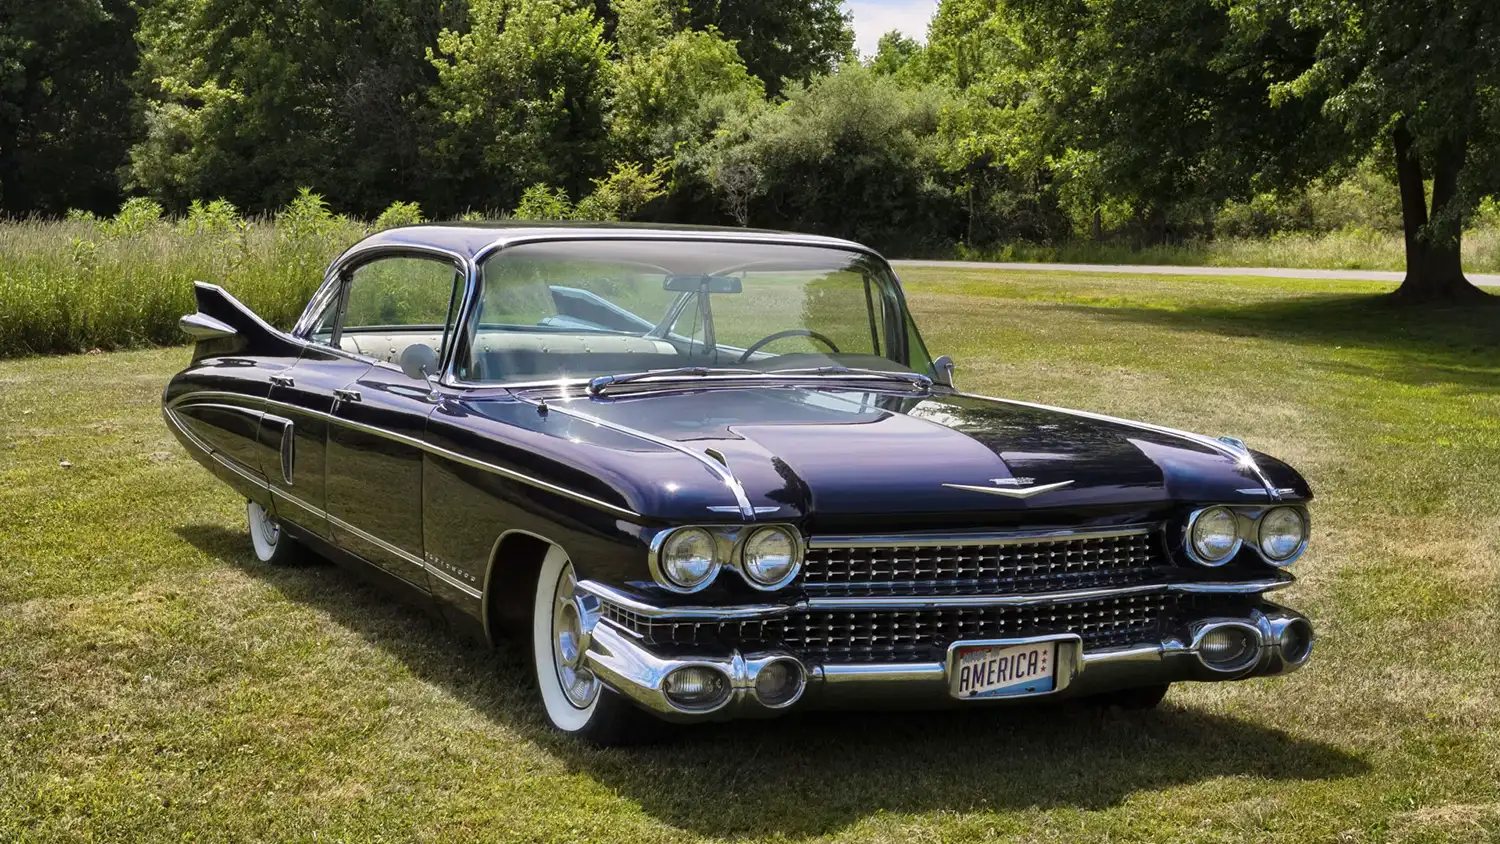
x=270 y=542
x=575 y=700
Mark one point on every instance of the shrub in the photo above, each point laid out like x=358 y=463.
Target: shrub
x=399 y=214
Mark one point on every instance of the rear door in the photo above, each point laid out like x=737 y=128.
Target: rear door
x=374 y=453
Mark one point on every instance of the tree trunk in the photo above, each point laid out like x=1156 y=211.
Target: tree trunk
x=1434 y=264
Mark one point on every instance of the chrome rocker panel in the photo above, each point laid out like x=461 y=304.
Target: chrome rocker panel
x=624 y=664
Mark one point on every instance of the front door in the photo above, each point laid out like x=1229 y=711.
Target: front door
x=374 y=456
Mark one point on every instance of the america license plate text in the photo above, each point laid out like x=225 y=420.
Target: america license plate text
x=1003 y=670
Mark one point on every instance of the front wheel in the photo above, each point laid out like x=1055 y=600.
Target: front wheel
x=270 y=542
x=575 y=700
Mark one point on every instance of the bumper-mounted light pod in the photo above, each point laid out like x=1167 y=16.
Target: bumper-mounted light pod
x=688 y=560
x=1228 y=648
x=1213 y=536
x=1282 y=535
x=771 y=557
x=696 y=687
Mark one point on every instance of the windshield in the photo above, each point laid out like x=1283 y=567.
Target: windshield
x=583 y=308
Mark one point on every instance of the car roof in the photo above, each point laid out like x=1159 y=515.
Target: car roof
x=472 y=239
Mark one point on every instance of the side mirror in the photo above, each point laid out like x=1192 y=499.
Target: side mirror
x=942 y=370
x=419 y=361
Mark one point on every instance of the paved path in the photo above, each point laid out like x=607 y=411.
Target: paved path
x=1483 y=279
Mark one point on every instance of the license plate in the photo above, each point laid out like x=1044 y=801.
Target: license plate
x=980 y=671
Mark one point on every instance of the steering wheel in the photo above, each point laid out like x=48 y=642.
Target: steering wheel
x=790 y=332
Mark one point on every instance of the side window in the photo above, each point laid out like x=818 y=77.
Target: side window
x=391 y=303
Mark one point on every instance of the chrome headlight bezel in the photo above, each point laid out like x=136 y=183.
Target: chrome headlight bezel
x=1191 y=548
x=1260 y=545
x=742 y=557
x=729 y=545
x=660 y=566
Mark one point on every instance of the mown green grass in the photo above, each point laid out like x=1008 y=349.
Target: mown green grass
x=1356 y=249
x=156 y=683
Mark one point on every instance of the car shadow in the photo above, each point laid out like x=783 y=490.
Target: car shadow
x=1457 y=345
x=816 y=773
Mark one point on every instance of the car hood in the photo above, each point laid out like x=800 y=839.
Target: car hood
x=845 y=455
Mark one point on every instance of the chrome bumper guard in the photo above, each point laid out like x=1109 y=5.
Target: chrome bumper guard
x=1282 y=643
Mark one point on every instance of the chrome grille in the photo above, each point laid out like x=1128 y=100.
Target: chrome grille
x=842 y=636
x=1004 y=566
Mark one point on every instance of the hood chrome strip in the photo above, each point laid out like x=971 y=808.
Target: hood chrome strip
x=1025 y=492
x=742 y=501
x=1241 y=455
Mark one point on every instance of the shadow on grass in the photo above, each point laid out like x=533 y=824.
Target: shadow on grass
x=1458 y=345
x=813 y=774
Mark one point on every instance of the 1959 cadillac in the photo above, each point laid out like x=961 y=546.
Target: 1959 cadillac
x=709 y=474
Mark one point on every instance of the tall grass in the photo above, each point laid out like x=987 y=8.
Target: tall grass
x=86 y=284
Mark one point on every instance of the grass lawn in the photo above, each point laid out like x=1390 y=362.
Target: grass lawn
x=157 y=683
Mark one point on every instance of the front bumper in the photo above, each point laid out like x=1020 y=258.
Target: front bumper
x=1283 y=643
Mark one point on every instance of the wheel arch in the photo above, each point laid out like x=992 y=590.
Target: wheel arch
x=508 y=587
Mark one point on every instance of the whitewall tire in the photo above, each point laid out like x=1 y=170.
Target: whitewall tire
x=575 y=701
x=267 y=538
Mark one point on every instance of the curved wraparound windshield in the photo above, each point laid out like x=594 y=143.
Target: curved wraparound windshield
x=577 y=309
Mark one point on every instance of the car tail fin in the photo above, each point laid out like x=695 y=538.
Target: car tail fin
x=224 y=325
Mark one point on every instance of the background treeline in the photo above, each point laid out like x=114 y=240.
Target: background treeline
x=1021 y=127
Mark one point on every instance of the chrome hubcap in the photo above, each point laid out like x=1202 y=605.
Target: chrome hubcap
x=569 y=640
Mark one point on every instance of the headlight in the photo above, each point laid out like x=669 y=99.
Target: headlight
x=688 y=560
x=771 y=557
x=1213 y=536
x=1283 y=534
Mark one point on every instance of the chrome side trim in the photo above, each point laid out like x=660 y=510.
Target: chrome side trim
x=204 y=327
x=747 y=511
x=738 y=612
x=970 y=539
x=424 y=446
x=209 y=450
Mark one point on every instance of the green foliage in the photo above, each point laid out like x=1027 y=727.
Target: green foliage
x=661 y=86
x=214 y=218
x=623 y=193
x=66 y=109
x=852 y=154
x=542 y=202
x=136 y=217
x=894 y=52
x=522 y=97
x=399 y=214
x=779 y=40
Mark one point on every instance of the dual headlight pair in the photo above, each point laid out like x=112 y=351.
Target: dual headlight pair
x=1216 y=534
x=688 y=559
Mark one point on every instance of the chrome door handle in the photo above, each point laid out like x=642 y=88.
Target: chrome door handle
x=282 y=380
x=348 y=395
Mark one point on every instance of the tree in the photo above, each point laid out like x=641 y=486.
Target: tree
x=894 y=52
x=663 y=78
x=523 y=97
x=1420 y=80
x=779 y=39
x=249 y=99
x=66 y=119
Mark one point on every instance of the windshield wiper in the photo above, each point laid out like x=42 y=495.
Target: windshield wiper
x=912 y=378
x=598 y=385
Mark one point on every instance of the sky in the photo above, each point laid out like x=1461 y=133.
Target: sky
x=874 y=18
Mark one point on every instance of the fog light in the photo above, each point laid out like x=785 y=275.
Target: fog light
x=779 y=683
x=1296 y=642
x=1227 y=648
x=696 y=687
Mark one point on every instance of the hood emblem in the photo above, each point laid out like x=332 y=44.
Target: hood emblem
x=1002 y=483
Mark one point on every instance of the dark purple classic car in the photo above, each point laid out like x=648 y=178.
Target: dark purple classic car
x=706 y=474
